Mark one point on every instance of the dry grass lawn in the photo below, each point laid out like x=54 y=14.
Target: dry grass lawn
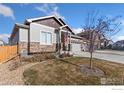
x=67 y=71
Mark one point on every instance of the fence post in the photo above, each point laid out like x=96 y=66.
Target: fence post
x=18 y=52
x=17 y=47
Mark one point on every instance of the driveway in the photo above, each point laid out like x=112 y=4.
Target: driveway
x=114 y=56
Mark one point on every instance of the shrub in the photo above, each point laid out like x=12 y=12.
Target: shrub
x=65 y=55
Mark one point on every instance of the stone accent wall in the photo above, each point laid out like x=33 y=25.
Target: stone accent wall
x=35 y=47
x=23 y=47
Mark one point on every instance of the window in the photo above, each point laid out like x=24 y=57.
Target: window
x=49 y=38
x=46 y=38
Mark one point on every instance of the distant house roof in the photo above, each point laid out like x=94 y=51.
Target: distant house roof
x=120 y=42
x=86 y=34
x=78 y=37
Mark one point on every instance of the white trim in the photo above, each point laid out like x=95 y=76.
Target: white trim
x=41 y=43
x=38 y=18
x=32 y=19
x=65 y=31
x=22 y=25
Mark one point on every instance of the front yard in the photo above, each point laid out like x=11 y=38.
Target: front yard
x=67 y=71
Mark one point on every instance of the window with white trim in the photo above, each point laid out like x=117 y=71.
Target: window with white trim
x=46 y=38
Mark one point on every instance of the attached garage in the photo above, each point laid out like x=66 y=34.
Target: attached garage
x=76 y=44
x=76 y=48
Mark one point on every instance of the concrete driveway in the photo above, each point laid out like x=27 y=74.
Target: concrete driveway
x=105 y=55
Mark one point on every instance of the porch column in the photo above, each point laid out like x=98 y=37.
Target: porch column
x=60 y=42
x=70 y=39
x=69 y=42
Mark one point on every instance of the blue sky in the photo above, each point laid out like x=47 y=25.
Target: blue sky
x=73 y=14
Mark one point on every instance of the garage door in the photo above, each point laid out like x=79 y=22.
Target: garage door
x=76 y=48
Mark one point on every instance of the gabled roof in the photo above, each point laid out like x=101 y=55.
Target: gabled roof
x=46 y=17
x=17 y=25
x=78 y=37
x=21 y=25
x=2 y=41
x=120 y=41
x=40 y=18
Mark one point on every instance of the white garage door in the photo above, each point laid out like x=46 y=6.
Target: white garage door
x=76 y=48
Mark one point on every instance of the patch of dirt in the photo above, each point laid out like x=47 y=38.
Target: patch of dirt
x=92 y=72
x=12 y=74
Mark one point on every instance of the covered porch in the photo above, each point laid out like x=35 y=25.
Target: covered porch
x=63 y=41
x=68 y=43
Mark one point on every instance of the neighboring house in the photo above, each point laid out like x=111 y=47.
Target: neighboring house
x=86 y=35
x=100 y=40
x=119 y=45
x=45 y=34
x=2 y=42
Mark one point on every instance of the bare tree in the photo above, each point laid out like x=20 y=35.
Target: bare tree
x=97 y=27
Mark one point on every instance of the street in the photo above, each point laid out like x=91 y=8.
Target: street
x=105 y=55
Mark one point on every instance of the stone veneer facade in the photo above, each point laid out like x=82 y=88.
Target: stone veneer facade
x=23 y=47
x=35 y=47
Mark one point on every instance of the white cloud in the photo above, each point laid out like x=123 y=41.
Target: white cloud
x=4 y=37
x=120 y=38
x=77 y=30
x=117 y=38
x=6 y=11
x=50 y=9
x=43 y=8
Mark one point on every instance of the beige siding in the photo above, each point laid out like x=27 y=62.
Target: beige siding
x=36 y=29
x=23 y=35
x=50 y=22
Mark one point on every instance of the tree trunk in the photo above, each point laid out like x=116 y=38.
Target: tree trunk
x=91 y=64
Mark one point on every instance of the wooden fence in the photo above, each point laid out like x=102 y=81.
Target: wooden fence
x=7 y=52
